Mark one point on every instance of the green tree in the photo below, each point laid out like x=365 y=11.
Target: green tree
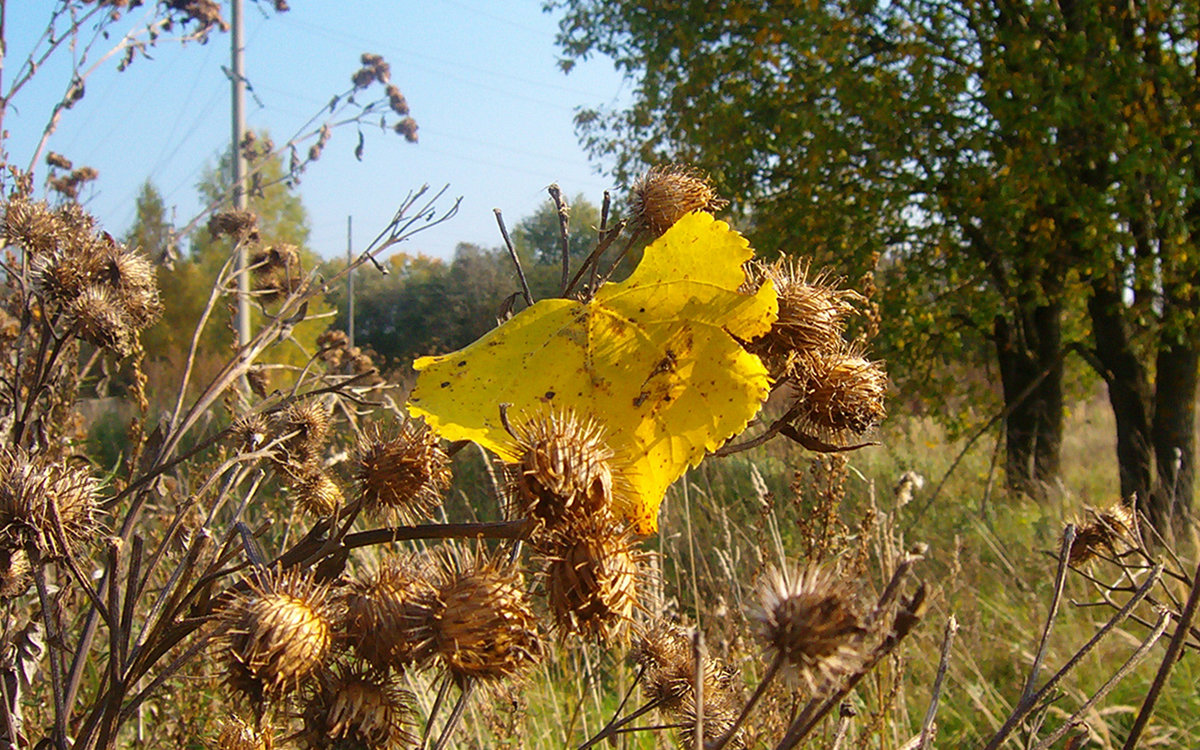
x=152 y=230
x=539 y=238
x=1009 y=162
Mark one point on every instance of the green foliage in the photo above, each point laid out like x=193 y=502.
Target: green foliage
x=538 y=238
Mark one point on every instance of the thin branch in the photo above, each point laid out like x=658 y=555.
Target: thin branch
x=512 y=254
x=947 y=643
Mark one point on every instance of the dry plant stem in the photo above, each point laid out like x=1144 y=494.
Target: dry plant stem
x=698 y=685
x=1136 y=658
x=1168 y=662
x=621 y=255
x=564 y=237
x=1022 y=709
x=1060 y=578
x=845 y=714
x=926 y=735
x=456 y=715
x=436 y=709
x=53 y=645
x=512 y=254
x=614 y=727
x=759 y=691
x=593 y=259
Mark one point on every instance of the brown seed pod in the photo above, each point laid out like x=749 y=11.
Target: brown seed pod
x=841 y=394
x=277 y=634
x=131 y=278
x=239 y=734
x=382 y=610
x=668 y=671
x=32 y=226
x=352 y=709
x=809 y=620
x=592 y=575
x=1110 y=530
x=481 y=625
x=100 y=320
x=564 y=471
x=315 y=493
x=276 y=271
x=14 y=572
x=306 y=425
x=50 y=504
x=236 y=224
x=665 y=193
x=249 y=432
x=404 y=474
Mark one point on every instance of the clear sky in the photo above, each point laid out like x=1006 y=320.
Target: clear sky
x=494 y=110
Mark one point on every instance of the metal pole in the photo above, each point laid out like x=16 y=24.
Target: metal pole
x=238 y=162
x=350 y=280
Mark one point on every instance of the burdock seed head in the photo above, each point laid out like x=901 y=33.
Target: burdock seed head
x=236 y=224
x=100 y=320
x=564 y=471
x=303 y=425
x=1110 y=530
x=239 y=734
x=809 y=620
x=250 y=432
x=48 y=503
x=277 y=634
x=405 y=474
x=666 y=193
x=668 y=671
x=812 y=312
x=315 y=493
x=32 y=226
x=383 y=609
x=130 y=277
x=481 y=626
x=353 y=709
x=276 y=271
x=841 y=394
x=592 y=575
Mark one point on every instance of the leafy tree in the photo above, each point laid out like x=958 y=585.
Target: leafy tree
x=538 y=236
x=152 y=230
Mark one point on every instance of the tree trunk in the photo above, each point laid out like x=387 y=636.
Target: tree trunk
x=1174 y=432
x=1048 y=394
x=1128 y=392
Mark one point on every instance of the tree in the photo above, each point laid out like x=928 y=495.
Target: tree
x=152 y=230
x=1007 y=161
x=538 y=236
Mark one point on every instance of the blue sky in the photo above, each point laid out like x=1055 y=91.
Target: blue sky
x=495 y=112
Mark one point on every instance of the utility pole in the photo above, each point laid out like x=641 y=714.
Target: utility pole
x=238 y=81
x=350 y=280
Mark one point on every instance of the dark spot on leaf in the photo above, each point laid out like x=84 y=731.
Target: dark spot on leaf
x=641 y=399
x=462 y=363
x=549 y=395
x=446 y=384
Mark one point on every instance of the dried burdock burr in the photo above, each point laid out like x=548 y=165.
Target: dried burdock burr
x=353 y=709
x=663 y=652
x=239 y=734
x=249 y=432
x=1111 y=530
x=383 y=609
x=592 y=575
x=15 y=572
x=841 y=394
x=32 y=226
x=315 y=493
x=240 y=225
x=564 y=470
x=277 y=633
x=481 y=625
x=44 y=502
x=99 y=319
x=810 y=622
x=131 y=278
x=303 y=427
x=276 y=271
x=666 y=193
x=404 y=473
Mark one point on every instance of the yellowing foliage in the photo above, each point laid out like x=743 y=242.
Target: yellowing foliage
x=654 y=359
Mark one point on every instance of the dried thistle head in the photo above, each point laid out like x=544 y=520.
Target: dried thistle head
x=48 y=503
x=278 y=632
x=481 y=625
x=55 y=159
x=98 y=319
x=666 y=193
x=593 y=569
x=405 y=473
x=396 y=100
x=383 y=609
x=663 y=652
x=352 y=709
x=132 y=280
x=407 y=127
x=315 y=493
x=1111 y=530
x=249 y=432
x=239 y=734
x=812 y=312
x=32 y=226
x=304 y=426
x=564 y=471
x=239 y=225
x=15 y=572
x=276 y=271
x=809 y=621
x=841 y=393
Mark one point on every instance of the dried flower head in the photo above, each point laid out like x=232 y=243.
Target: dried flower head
x=809 y=621
x=206 y=13
x=1111 y=530
x=48 y=503
x=239 y=734
x=32 y=226
x=131 y=278
x=258 y=378
x=396 y=100
x=668 y=670
x=404 y=474
x=666 y=193
x=481 y=625
x=276 y=271
x=14 y=572
x=407 y=127
x=278 y=633
x=303 y=425
x=240 y=225
x=354 y=709
x=564 y=470
x=812 y=312
x=841 y=393
x=249 y=432
x=99 y=320
x=55 y=159
x=383 y=609
x=315 y=493
x=592 y=573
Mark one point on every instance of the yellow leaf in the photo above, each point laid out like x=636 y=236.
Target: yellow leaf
x=654 y=359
